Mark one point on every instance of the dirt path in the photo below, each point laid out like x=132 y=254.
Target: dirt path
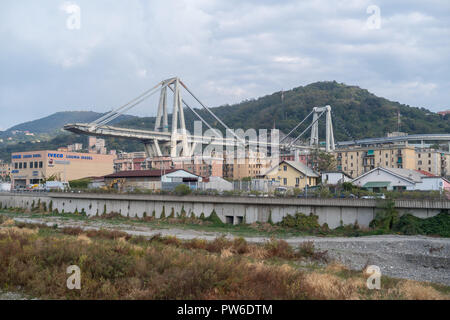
x=412 y=257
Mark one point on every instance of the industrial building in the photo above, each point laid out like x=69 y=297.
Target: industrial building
x=394 y=179
x=34 y=166
x=151 y=179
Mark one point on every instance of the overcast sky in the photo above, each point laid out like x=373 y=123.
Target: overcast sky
x=226 y=51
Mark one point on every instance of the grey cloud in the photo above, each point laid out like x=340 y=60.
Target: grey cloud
x=226 y=51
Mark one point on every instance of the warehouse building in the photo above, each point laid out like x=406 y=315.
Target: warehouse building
x=151 y=179
x=34 y=166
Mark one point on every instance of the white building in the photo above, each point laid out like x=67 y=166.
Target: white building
x=335 y=177
x=395 y=179
x=434 y=184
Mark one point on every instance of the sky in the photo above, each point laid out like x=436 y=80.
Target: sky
x=97 y=55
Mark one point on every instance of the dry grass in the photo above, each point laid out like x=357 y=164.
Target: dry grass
x=8 y=222
x=115 y=266
x=17 y=231
x=412 y=290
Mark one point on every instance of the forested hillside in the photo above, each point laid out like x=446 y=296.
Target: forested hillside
x=360 y=112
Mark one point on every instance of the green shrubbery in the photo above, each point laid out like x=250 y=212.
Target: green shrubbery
x=182 y=190
x=301 y=222
x=388 y=219
x=79 y=184
x=214 y=218
x=437 y=225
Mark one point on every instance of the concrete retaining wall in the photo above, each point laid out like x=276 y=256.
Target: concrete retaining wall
x=330 y=211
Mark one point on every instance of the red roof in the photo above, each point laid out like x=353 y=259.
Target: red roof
x=426 y=173
x=140 y=173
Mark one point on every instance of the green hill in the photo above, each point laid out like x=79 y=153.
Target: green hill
x=355 y=110
x=57 y=120
x=362 y=113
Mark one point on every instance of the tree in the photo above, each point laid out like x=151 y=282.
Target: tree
x=182 y=190
x=323 y=161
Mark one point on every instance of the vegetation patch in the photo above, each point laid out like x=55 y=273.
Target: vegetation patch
x=117 y=266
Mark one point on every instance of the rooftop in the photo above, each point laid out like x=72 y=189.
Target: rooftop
x=140 y=173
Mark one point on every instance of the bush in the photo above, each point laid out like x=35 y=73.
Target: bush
x=182 y=190
x=301 y=222
x=214 y=218
x=79 y=184
x=386 y=217
x=437 y=225
x=279 y=248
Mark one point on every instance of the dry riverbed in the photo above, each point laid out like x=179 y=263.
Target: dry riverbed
x=418 y=258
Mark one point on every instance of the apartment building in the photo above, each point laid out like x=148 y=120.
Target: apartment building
x=433 y=161
x=249 y=166
x=356 y=161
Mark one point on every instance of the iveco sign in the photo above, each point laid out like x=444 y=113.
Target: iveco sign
x=55 y=155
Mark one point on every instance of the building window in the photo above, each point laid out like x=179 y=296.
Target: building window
x=429 y=155
x=429 y=169
x=285 y=181
x=16 y=165
x=40 y=164
x=420 y=162
x=24 y=165
x=419 y=155
x=20 y=165
x=31 y=165
x=297 y=181
x=429 y=161
x=35 y=164
x=285 y=168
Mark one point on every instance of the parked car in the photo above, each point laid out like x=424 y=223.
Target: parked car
x=280 y=189
x=376 y=196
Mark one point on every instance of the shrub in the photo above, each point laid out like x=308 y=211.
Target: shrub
x=73 y=231
x=386 y=217
x=182 y=190
x=79 y=184
x=240 y=245
x=307 y=249
x=301 y=222
x=214 y=218
x=437 y=225
x=218 y=244
x=279 y=248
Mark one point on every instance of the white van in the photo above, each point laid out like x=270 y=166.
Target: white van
x=56 y=185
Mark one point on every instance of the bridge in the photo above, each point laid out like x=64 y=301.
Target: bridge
x=161 y=142
x=413 y=137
